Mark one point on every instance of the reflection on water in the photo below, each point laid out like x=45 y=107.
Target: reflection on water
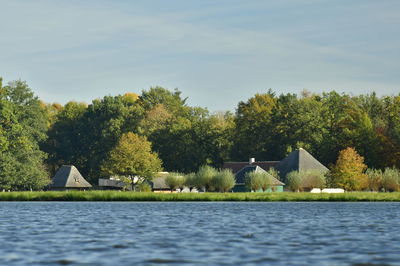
x=108 y=233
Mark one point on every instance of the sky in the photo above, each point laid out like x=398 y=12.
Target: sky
x=217 y=52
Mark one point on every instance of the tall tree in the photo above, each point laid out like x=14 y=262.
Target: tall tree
x=253 y=127
x=64 y=144
x=23 y=126
x=132 y=158
x=348 y=172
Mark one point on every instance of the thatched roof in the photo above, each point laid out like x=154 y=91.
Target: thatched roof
x=241 y=175
x=69 y=177
x=236 y=166
x=299 y=160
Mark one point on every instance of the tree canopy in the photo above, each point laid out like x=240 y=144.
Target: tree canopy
x=37 y=137
x=132 y=156
x=23 y=125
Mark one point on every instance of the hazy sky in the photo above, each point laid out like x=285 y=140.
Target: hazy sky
x=217 y=52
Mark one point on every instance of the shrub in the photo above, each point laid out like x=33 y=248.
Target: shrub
x=274 y=173
x=204 y=177
x=391 y=178
x=375 y=179
x=294 y=181
x=175 y=180
x=256 y=181
x=312 y=179
x=266 y=181
x=224 y=180
x=191 y=181
x=253 y=180
x=144 y=187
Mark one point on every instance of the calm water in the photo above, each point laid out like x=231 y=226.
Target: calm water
x=95 y=233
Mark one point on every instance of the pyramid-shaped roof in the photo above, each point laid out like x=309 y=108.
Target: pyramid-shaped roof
x=299 y=160
x=241 y=175
x=69 y=177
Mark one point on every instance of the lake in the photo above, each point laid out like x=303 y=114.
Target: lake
x=151 y=233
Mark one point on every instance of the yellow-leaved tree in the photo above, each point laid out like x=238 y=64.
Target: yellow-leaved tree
x=348 y=172
x=133 y=159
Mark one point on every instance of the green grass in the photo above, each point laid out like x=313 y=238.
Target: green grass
x=141 y=196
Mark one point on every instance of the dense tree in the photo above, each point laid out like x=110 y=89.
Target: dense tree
x=84 y=135
x=132 y=158
x=348 y=172
x=172 y=101
x=64 y=145
x=266 y=126
x=253 y=127
x=195 y=140
x=23 y=126
x=296 y=123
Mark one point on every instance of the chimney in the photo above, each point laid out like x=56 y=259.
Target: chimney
x=252 y=160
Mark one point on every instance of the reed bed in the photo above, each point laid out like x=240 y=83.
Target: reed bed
x=149 y=196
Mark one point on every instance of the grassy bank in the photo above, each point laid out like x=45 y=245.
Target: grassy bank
x=139 y=196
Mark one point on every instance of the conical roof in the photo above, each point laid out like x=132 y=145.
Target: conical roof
x=241 y=175
x=69 y=177
x=299 y=160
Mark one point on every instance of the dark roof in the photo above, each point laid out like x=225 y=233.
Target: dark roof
x=111 y=183
x=69 y=177
x=241 y=175
x=299 y=160
x=236 y=166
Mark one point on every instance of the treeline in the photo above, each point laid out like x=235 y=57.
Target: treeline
x=36 y=137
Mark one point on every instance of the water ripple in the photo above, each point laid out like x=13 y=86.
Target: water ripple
x=111 y=233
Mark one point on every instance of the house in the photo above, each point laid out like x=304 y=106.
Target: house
x=68 y=177
x=299 y=160
x=159 y=185
x=276 y=185
x=236 y=166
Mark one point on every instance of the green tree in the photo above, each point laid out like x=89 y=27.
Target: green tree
x=132 y=158
x=65 y=141
x=295 y=123
x=253 y=127
x=172 y=101
x=195 y=139
x=100 y=128
x=23 y=124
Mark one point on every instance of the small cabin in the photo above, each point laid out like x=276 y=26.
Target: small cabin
x=69 y=178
